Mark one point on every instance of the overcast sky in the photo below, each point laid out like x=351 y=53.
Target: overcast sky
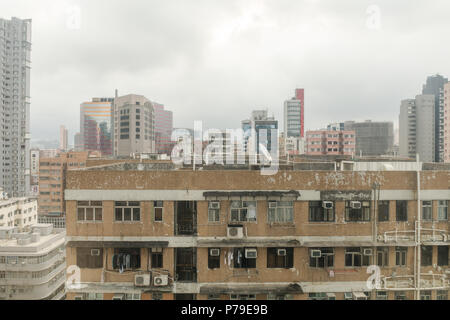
x=216 y=61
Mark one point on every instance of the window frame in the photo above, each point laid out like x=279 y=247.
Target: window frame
x=214 y=211
x=360 y=253
x=286 y=262
x=401 y=256
x=440 y=209
x=241 y=209
x=91 y=204
x=123 y=211
x=385 y=214
x=315 y=262
x=157 y=204
x=364 y=211
x=401 y=205
x=325 y=213
x=247 y=263
x=427 y=208
x=214 y=261
x=274 y=212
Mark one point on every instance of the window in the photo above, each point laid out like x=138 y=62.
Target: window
x=401 y=211
x=156 y=255
x=400 y=256
x=213 y=258
x=240 y=261
x=427 y=210
x=399 y=295
x=92 y=296
x=127 y=211
x=442 y=210
x=317 y=212
x=243 y=211
x=281 y=211
x=427 y=255
x=442 y=255
x=317 y=296
x=91 y=258
x=355 y=257
x=157 y=296
x=126 y=258
x=425 y=295
x=213 y=211
x=357 y=210
x=280 y=258
x=383 y=256
x=442 y=295
x=382 y=295
x=242 y=297
x=214 y=297
x=383 y=210
x=90 y=210
x=325 y=260
x=158 y=210
x=132 y=296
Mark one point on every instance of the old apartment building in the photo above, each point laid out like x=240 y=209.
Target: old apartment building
x=32 y=263
x=140 y=231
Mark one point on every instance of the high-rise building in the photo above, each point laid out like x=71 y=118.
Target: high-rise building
x=95 y=126
x=416 y=128
x=15 y=54
x=78 y=142
x=163 y=129
x=134 y=125
x=63 y=142
x=435 y=87
x=52 y=180
x=373 y=138
x=446 y=104
x=293 y=115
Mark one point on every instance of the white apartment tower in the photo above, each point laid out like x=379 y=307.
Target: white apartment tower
x=15 y=56
x=417 y=127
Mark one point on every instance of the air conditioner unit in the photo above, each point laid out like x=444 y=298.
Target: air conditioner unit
x=78 y=298
x=235 y=232
x=161 y=280
x=367 y=252
x=348 y=296
x=272 y=204
x=214 y=252
x=214 y=205
x=281 y=252
x=327 y=205
x=142 y=280
x=316 y=253
x=118 y=297
x=95 y=252
x=355 y=204
x=251 y=253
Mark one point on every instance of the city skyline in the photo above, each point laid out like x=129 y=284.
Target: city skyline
x=259 y=34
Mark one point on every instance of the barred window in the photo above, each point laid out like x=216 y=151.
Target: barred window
x=357 y=210
x=281 y=211
x=319 y=213
x=90 y=210
x=243 y=211
x=127 y=211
